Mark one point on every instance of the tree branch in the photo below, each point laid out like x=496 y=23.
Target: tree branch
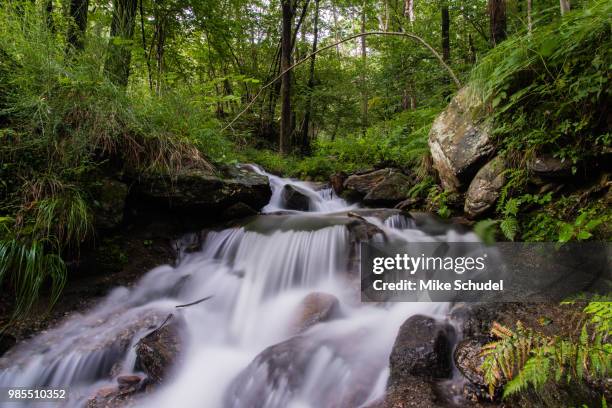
x=352 y=37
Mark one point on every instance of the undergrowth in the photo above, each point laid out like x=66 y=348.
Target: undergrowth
x=523 y=359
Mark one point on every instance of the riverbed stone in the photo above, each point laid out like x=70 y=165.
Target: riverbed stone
x=423 y=349
x=390 y=190
x=336 y=181
x=460 y=140
x=485 y=188
x=362 y=184
x=549 y=166
x=159 y=351
x=200 y=190
x=315 y=308
x=294 y=198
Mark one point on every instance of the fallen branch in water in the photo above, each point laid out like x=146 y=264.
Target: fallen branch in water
x=352 y=37
x=170 y=316
x=195 y=303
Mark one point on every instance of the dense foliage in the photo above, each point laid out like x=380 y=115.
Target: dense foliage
x=524 y=358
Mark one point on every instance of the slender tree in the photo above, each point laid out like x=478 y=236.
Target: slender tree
x=529 y=22
x=77 y=24
x=409 y=10
x=497 y=20
x=564 y=5
x=286 y=47
x=364 y=64
x=311 y=84
x=49 y=15
x=445 y=32
x=119 y=58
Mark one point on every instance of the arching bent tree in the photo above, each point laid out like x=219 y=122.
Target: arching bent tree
x=327 y=47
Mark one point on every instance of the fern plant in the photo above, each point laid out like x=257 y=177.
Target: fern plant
x=523 y=358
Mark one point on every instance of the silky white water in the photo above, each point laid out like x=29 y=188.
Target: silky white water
x=258 y=275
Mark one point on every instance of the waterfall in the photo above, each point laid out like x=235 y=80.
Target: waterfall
x=257 y=276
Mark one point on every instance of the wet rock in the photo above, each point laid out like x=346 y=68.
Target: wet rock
x=7 y=341
x=549 y=166
x=337 y=181
x=128 y=380
x=316 y=307
x=408 y=204
x=159 y=351
x=318 y=185
x=362 y=230
x=474 y=319
x=459 y=140
x=109 y=203
x=485 y=188
x=362 y=184
x=237 y=211
x=279 y=368
x=422 y=349
x=390 y=190
x=200 y=190
x=468 y=359
x=284 y=370
x=412 y=393
x=115 y=396
x=294 y=198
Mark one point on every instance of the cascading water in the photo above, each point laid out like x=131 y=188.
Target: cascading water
x=257 y=276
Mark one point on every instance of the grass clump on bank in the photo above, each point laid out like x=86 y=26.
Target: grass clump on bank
x=64 y=124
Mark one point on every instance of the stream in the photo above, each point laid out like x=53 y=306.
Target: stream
x=257 y=275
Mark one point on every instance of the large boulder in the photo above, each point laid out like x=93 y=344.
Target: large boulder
x=294 y=198
x=485 y=188
x=391 y=190
x=316 y=307
x=109 y=203
x=363 y=183
x=423 y=349
x=459 y=140
x=159 y=351
x=549 y=166
x=200 y=190
x=379 y=187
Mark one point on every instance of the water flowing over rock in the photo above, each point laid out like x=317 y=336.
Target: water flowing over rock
x=239 y=348
x=485 y=188
x=459 y=140
x=422 y=349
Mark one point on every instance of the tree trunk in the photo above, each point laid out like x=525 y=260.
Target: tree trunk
x=529 y=22
x=445 y=33
x=285 y=120
x=77 y=24
x=117 y=64
x=497 y=20
x=471 y=50
x=49 y=15
x=409 y=10
x=306 y=123
x=565 y=6
x=364 y=61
